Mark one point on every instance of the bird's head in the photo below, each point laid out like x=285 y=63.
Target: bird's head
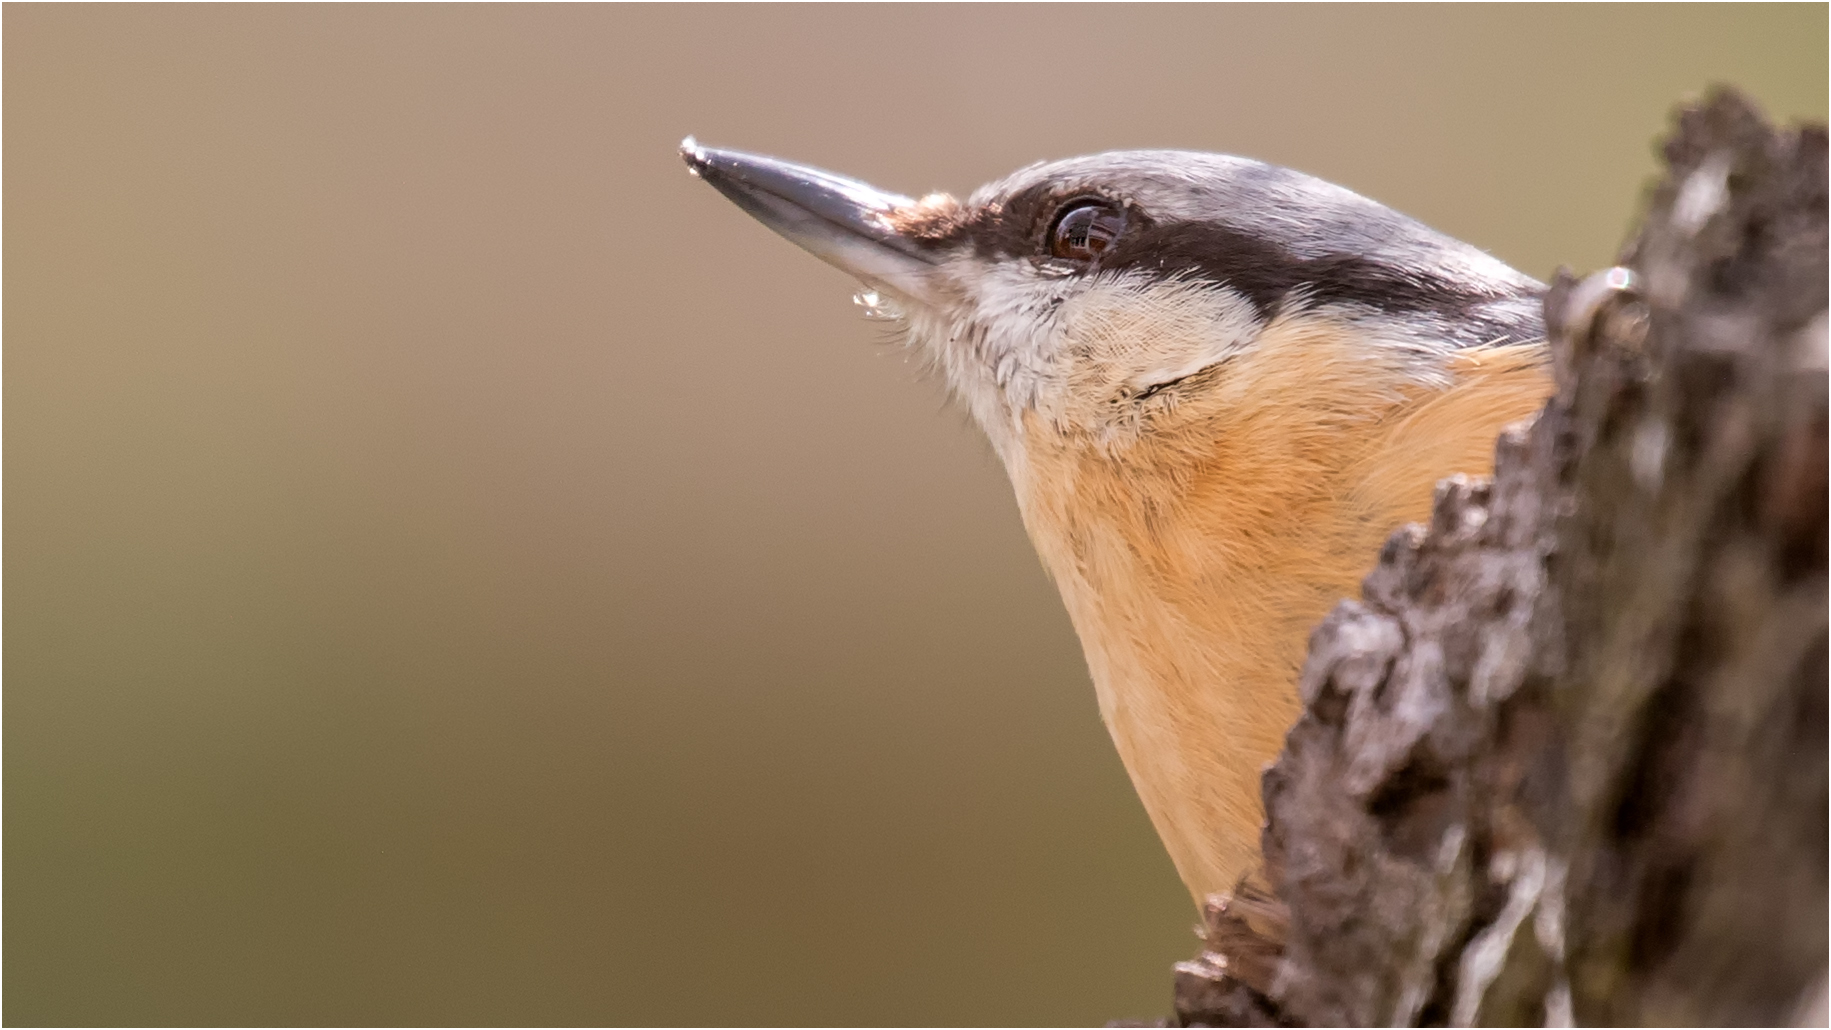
x=1100 y=296
x=1216 y=385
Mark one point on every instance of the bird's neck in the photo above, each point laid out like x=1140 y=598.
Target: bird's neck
x=1195 y=561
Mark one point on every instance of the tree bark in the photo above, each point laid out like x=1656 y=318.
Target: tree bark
x=1565 y=760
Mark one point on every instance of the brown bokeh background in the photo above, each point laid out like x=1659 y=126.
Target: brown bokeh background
x=459 y=569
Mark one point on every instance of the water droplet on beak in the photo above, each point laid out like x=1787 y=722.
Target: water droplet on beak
x=875 y=306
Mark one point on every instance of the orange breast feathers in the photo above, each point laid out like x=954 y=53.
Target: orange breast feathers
x=1196 y=553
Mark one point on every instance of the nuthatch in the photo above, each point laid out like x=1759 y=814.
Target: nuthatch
x=1217 y=385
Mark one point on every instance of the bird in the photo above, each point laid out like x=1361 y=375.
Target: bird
x=1217 y=386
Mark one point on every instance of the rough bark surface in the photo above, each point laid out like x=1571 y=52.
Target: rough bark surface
x=1565 y=761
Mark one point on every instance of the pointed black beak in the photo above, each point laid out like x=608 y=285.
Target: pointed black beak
x=839 y=220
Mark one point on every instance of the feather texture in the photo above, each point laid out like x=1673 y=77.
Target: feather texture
x=1195 y=556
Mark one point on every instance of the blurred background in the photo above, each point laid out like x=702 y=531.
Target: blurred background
x=460 y=569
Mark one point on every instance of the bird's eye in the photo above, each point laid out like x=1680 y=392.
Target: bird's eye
x=1085 y=228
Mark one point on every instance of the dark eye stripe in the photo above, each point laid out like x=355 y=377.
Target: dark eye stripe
x=1269 y=276
x=1261 y=270
x=1015 y=227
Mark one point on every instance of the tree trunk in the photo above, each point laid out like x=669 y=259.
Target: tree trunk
x=1566 y=758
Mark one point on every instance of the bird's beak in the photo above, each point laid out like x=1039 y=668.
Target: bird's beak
x=840 y=221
